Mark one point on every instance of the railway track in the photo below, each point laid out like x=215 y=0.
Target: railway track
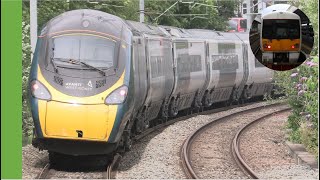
x=110 y=170
x=184 y=117
x=235 y=148
x=44 y=172
x=185 y=152
x=108 y=173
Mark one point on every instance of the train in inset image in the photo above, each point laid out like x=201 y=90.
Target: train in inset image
x=281 y=37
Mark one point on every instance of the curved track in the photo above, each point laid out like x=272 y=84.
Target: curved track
x=110 y=170
x=184 y=117
x=186 y=163
x=235 y=148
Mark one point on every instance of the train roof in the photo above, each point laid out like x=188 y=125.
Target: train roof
x=93 y=20
x=281 y=15
x=278 y=7
x=85 y=20
x=174 y=32
x=286 y=8
x=141 y=28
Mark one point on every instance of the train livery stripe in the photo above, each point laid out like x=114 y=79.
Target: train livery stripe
x=34 y=101
x=123 y=107
x=281 y=45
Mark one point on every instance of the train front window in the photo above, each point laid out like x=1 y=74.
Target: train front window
x=243 y=23
x=97 y=51
x=281 y=29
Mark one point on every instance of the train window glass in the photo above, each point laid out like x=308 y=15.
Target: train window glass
x=188 y=63
x=195 y=62
x=225 y=62
x=281 y=29
x=181 y=45
x=243 y=23
x=157 y=66
x=95 y=51
x=226 y=48
x=182 y=63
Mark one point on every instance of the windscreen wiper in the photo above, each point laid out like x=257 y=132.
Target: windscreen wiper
x=73 y=61
x=54 y=65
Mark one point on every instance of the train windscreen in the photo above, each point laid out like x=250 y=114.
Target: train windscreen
x=94 y=50
x=281 y=29
x=243 y=23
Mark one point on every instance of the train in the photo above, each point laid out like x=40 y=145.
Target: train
x=97 y=80
x=280 y=38
x=277 y=51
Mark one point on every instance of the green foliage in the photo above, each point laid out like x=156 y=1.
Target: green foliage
x=49 y=9
x=26 y=55
x=301 y=88
x=212 y=17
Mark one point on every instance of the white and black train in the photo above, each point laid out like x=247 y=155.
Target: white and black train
x=177 y=69
x=97 y=79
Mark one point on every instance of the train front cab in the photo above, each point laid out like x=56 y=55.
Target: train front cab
x=280 y=38
x=76 y=108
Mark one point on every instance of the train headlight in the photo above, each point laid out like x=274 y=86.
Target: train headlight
x=38 y=90
x=118 y=96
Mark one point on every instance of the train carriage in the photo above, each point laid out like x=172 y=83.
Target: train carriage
x=96 y=80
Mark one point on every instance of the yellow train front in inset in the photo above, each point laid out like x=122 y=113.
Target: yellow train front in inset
x=280 y=38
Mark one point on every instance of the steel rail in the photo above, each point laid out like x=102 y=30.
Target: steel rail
x=186 y=146
x=235 y=148
x=110 y=173
x=44 y=172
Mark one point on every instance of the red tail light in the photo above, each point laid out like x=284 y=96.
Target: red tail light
x=295 y=46
x=269 y=47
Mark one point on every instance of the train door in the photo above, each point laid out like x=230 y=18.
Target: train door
x=160 y=73
x=140 y=71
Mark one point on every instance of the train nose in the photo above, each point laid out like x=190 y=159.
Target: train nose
x=77 y=121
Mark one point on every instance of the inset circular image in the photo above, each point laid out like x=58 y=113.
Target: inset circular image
x=282 y=37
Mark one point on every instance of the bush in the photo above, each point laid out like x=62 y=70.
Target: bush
x=301 y=88
x=27 y=124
